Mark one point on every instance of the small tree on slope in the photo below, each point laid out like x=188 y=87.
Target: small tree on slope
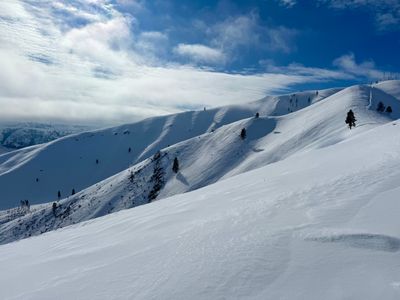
x=350 y=119
x=243 y=134
x=380 y=107
x=175 y=166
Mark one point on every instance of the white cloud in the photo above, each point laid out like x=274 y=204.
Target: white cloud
x=387 y=12
x=346 y=68
x=365 y=69
x=288 y=3
x=100 y=71
x=200 y=53
x=245 y=32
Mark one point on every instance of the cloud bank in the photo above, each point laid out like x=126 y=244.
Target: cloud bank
x=88 y=62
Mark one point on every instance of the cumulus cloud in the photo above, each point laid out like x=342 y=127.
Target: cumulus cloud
x=200 y=53
x=365 y=69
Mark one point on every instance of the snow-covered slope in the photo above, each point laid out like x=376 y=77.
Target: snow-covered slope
x=210 y=157
x=322 y=224
x=71 y=162
x=19 y=135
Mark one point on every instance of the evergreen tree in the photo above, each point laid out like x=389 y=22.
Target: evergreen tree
x=389 y=109
x=257 y=115
x=129 y=150
x=243 y=134
x=59 y=195
x=350 y=119
x=175 y=166
x=380 y=107
x=97 y=161
x=54 y=208
x=73 y=192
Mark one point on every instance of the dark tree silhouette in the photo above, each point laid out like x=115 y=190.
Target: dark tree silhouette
x=129 y=150
x=350 y=119
x=73 y=192
x=59 y=195
x=97 y=161
x=257 y=115
x=380 y=107
x=389 y=109
x=175 y=166
x=243 y=134
x=54 y=208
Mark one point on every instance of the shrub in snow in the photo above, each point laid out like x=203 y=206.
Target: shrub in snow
x=389 y=109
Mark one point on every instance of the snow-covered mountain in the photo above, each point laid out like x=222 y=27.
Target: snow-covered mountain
x=70 y=163
x=19 y=135
x=206 y=143
x=321 y=224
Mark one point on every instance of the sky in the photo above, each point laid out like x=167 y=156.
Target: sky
x=114 y=61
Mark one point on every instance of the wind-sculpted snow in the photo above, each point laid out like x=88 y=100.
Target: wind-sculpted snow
x=322 y=224
x=362 y=240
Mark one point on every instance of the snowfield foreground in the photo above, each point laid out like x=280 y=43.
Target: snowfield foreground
x=320 y=224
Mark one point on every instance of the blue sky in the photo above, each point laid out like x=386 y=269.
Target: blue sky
x=112 y=61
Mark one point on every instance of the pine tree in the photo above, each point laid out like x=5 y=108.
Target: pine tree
x=73 y=192
x=59 y=195
x=257 y=115
x=54 y=208
x=175 y=166
x=129 y=150
x=243 y=134
x=350 y=119
x=389 y=109
x=380 y=107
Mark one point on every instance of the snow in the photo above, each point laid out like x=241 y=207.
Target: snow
x=70 y=162
x=204 y=159
x=18 y=135
x=321 y=224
